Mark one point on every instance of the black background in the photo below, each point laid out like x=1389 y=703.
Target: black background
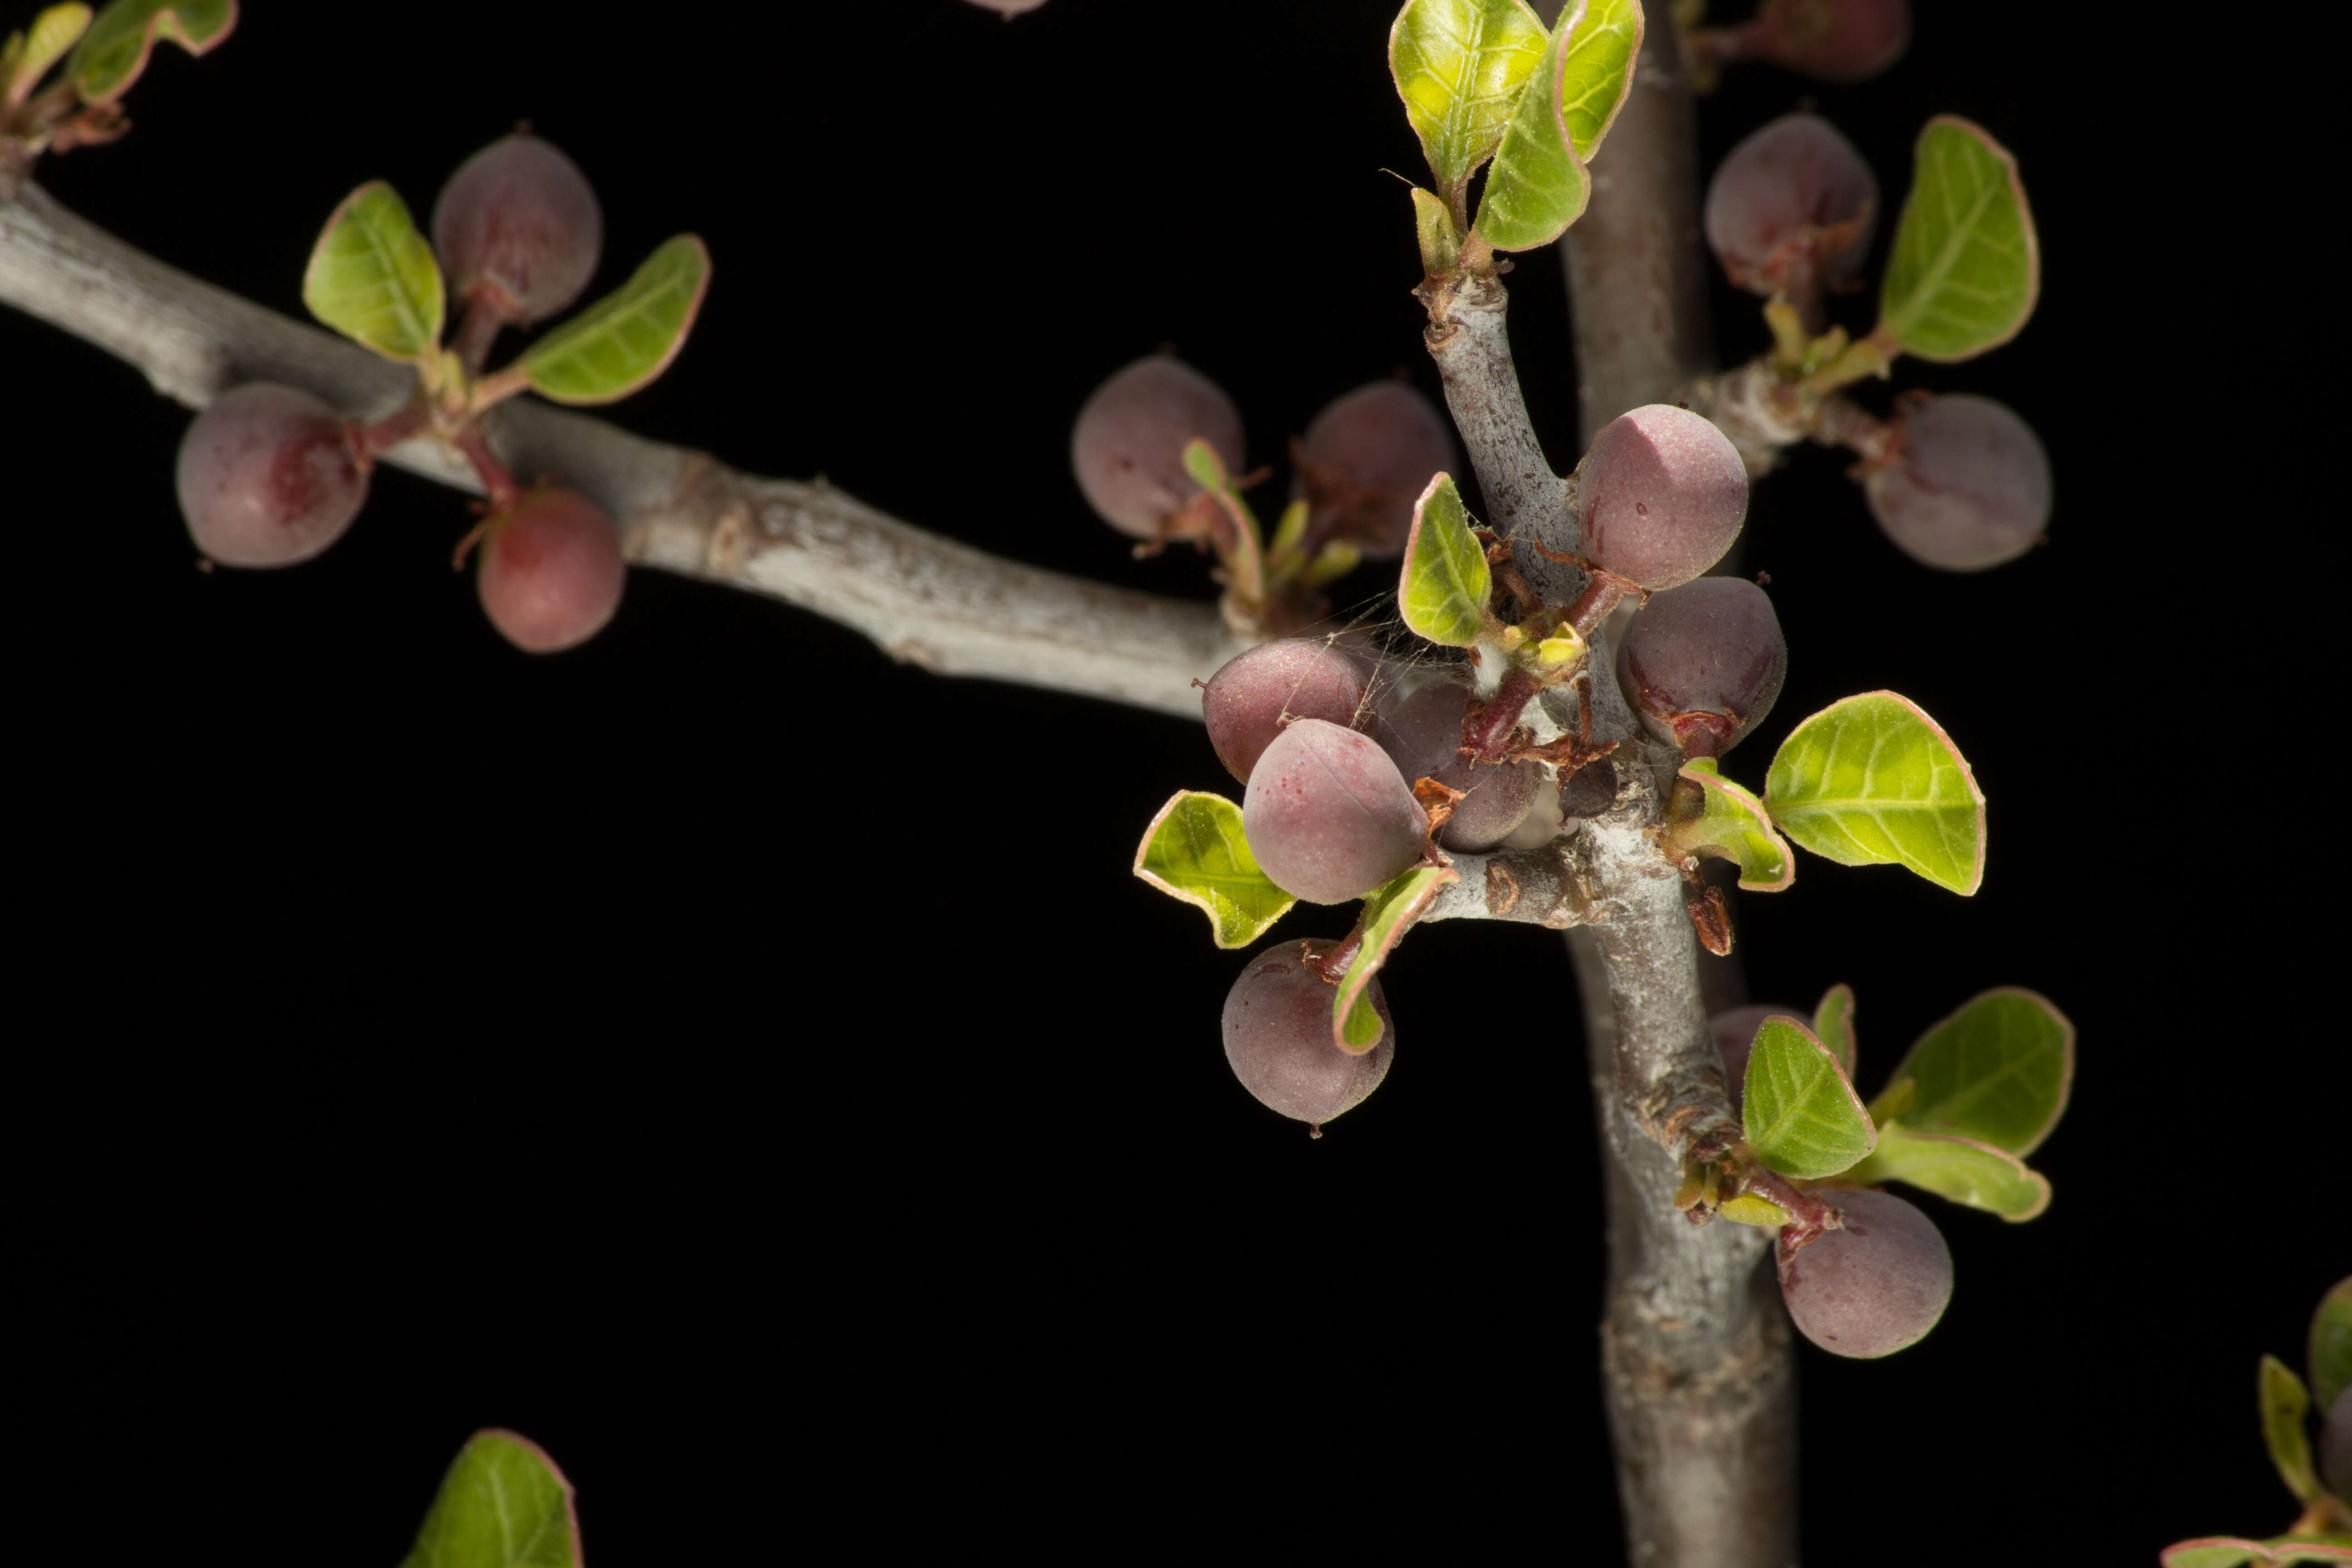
x=747 y=1066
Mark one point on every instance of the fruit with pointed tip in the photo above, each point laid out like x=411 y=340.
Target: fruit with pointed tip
x=549 y=571
x=268 y=477
x=518 y=227
x=1277 y=1030
x=1969 y=488
x=1128 y=447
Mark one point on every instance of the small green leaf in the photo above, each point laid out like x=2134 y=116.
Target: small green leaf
x=1601 y=54
x=372 y=279
x=1195 y=850
x=1443 y=593
x=502 y=1505
x=1750 y=1209
x=1388 y=914
x=1459 y=66
x=1538 y=185
x=1966 y=267
x=2284 y=1403
x=2330 y=1359
x=1734 y=827
x=1997 y=1070
x=1833 y=1025
x=114 y=51
x=1960 y=1169
x=1241 y=554
x=1802 y=1117
x=628 y=337
x=1871 y=781
x=2237 y=1551
x=31 y=53
x=1440 y=245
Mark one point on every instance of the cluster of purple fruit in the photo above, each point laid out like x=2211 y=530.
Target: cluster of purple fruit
x=1967 y=483
x=270 y=475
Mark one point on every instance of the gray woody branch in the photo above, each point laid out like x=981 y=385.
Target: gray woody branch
x=925 y=599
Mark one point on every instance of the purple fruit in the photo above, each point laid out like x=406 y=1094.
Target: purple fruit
x=1876 y=1285
x=1277 y=1029
x=518 y=225
x=1702 y=663
x=266 y=476
x=1249 y=701
x=1127 y=447
x=1970 y=490
x=1774 y=196
x=1369 y=455
x=1662 y=494
x=1422 y=736
x=1328 y=816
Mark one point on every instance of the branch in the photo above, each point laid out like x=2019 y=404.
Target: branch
x=924 y=599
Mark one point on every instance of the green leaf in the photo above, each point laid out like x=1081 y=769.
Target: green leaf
x=372 y=279
x=1833 y=1025
x=1440 y=245
x=1459 y=66
x=1871 y=781
x=29 y=54
x=1802 y=1117
x=1538 y=185
x=628 y=337
x=1388 y=914
x=1960 y=1169
x=1999 y=1071
x=1242 y=555
x=1734 y=825
x=115 y=49
x=1443 y=592
x=1601 y=54
x=1966 y=266
x=2284 y=1403
x=1195 y=850
x=502 y=1505
x=2236 y=1551
x=2330 y=1360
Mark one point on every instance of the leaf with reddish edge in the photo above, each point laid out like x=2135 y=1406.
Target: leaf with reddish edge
x=502 y=1505
x=628 y=337
x=1966 y=267
x=114 y=53
x=1442 y=594
x=2329 y=1360
x=1833 y=1024
x=372 y=278
x=1959 y=1168
x=28 y=56
x=1459 y=65
x=1999 y=1071
x=1244 y=556
x=1734 y=825
x=1801 y=1117
x=1599 y=75
x=2284 y=1403
x=1538 y=184
x=1195 y=850
x=1387 y=913
x=2237 y=1551
x=1872 y=781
